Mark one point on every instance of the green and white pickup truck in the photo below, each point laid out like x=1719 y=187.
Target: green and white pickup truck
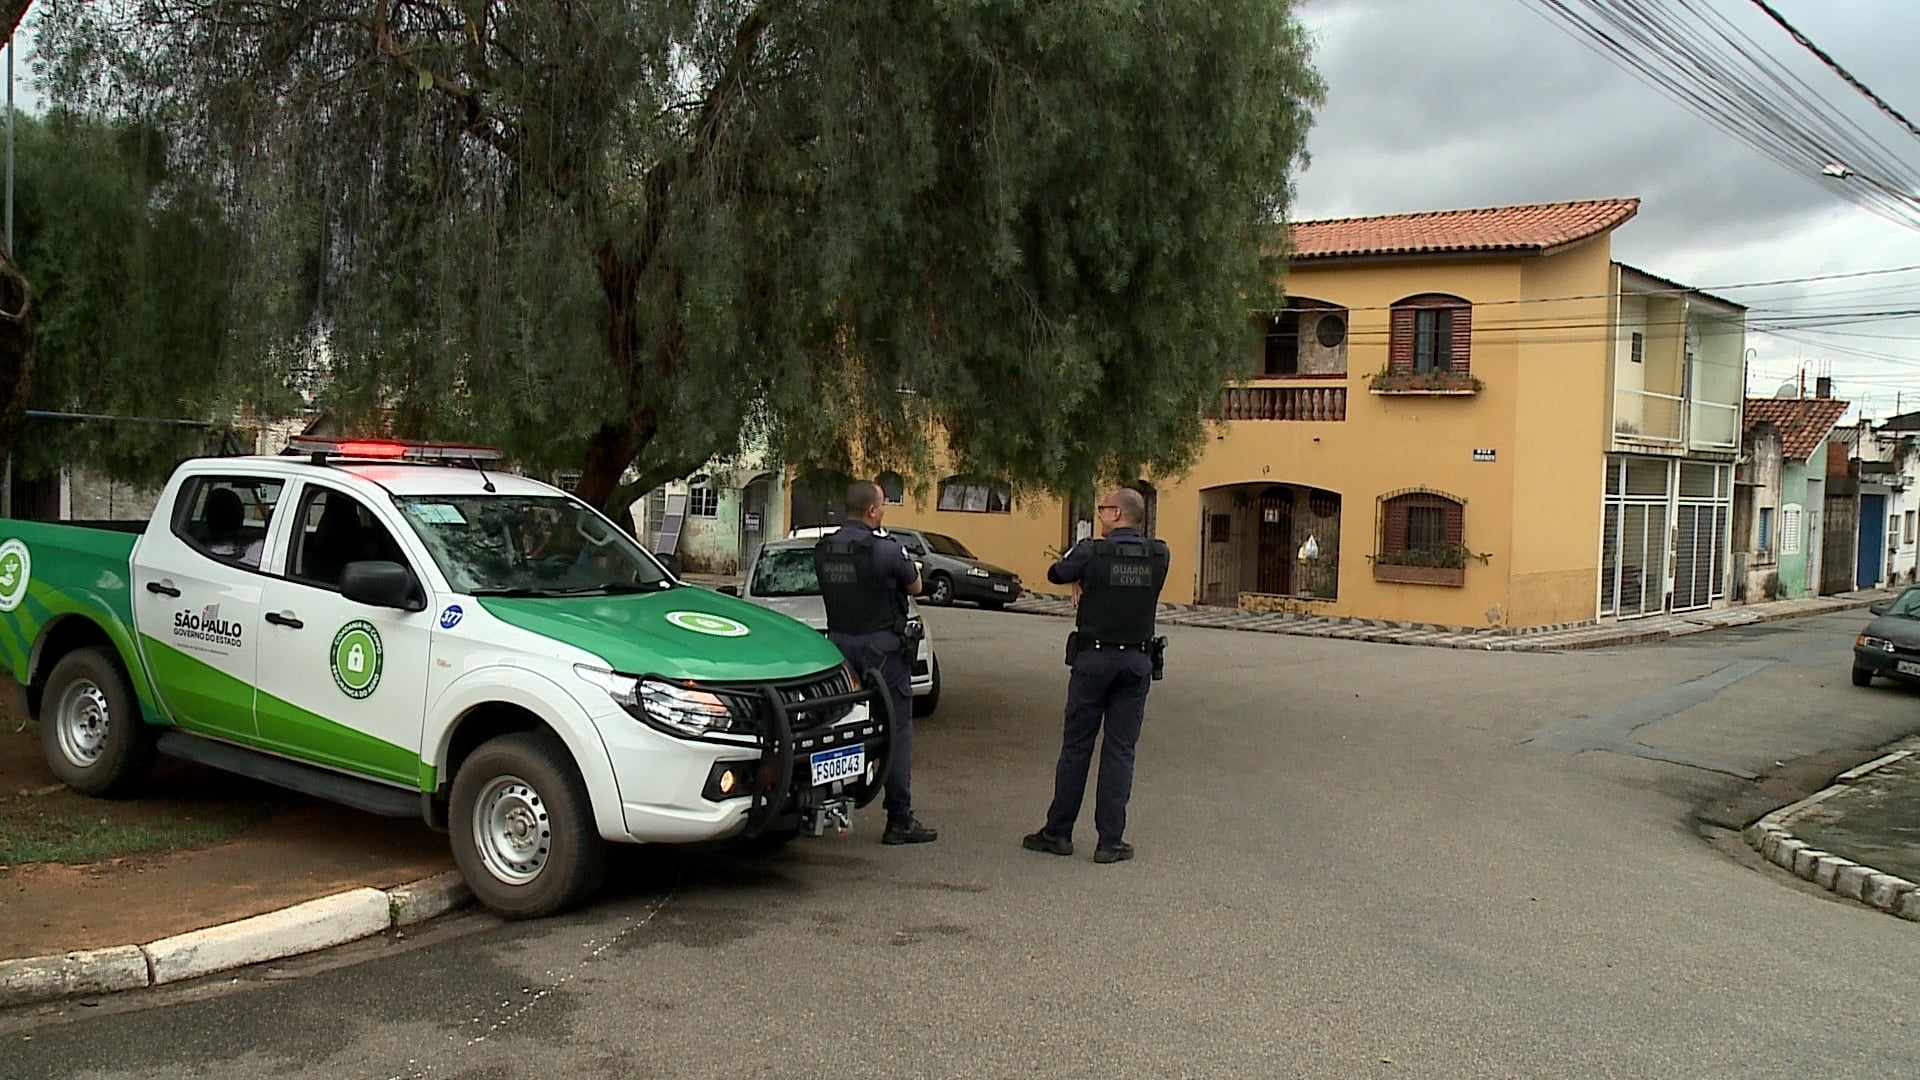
x=368 y=623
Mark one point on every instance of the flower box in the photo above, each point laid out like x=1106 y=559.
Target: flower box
x=1424 y=384
x=1419 y=575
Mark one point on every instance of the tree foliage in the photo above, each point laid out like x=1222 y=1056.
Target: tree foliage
x=623 y=235
x=130 y=268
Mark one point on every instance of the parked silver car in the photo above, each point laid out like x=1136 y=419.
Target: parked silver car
x=782 y=579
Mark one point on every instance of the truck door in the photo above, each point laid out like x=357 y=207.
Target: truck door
x=342 y=684
x=196 y=595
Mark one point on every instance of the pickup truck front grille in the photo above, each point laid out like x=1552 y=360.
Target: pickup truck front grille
x=749 y=704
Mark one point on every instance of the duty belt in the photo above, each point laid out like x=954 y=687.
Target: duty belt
x=1123 y=646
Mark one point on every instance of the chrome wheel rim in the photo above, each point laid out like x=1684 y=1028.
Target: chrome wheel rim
x=82 y=722
x=512 y=830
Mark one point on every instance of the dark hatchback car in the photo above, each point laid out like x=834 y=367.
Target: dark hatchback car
x=949 y=570
x=1890 y=645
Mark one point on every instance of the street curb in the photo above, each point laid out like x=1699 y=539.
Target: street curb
x=276 y=935
x=1771 y=837
x=1527 y=640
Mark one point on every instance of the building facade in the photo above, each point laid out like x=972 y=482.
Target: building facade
x=1470 y=418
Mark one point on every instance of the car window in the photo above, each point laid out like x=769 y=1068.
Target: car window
x=226 y=517
x=1906 y=605
x=947 y=545
x=536 y=545
x=331 y=530
x=910 y=541
x=784 y=572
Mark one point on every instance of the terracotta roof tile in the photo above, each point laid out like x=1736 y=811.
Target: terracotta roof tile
x=1803 y=422
x=1530 y=229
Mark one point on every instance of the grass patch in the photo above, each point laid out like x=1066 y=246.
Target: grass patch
x=54 y=830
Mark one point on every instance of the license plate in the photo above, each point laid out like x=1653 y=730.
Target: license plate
x=843 y=763
x=1001 y=588
x=1908 y=667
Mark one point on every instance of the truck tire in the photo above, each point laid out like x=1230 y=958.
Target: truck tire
x=91 y=730
x=522 y=827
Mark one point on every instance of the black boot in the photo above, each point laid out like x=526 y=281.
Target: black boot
x=904 y=829
x=1052 y=845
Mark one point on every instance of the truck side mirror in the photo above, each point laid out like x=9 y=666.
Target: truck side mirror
x=381 y=584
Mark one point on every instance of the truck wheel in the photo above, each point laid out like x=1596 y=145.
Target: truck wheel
x=929 y=701
x=522 y=827
x=91 y=730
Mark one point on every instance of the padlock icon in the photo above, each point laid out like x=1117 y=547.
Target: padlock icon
x=356 y=659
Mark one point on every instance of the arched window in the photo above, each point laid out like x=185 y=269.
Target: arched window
x=1422 y=538
x=893 y=488
x=1432 y=332
x=1306 y=337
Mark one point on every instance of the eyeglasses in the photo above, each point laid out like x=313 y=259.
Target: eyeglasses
x=1106 y=506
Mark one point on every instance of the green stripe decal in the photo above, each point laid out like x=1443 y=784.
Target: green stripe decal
x=210 y=700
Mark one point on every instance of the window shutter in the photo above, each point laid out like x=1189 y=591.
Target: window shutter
x=1462 y=338
x=1400 y=355
x=1456 y=523
x=1395 y=539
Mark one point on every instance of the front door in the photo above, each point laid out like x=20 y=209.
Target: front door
x=196 y=594
x=1275 y=576
x=1873 y=540
x=342 y=684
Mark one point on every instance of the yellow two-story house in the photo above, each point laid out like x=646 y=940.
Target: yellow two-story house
x=1469 y=418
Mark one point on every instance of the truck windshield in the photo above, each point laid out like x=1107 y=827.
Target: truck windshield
x=528 y=545
x=784 y=572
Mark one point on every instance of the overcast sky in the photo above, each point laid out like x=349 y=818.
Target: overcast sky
x=1436 y=104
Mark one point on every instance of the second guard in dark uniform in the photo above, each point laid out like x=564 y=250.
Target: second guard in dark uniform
x=1114 y=655
x=865 y=579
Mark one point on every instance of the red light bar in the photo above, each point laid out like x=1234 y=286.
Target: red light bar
x=391 y=449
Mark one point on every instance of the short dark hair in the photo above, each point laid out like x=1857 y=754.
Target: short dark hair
x=862 y=496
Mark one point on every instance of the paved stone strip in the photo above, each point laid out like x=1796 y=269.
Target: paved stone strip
x=1557 y=638
x=291 y=931
x=1773 y=838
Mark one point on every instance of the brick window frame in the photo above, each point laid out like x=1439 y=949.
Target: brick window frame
x=1421 y=538
x=1454 y=317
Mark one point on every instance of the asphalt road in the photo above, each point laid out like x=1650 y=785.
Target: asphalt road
x=1355 y=860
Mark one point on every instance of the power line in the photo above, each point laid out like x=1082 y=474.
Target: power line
x=1807 y=43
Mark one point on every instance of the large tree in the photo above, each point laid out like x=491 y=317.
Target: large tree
x=16 y=300
x=626 y=234
x=130 y=270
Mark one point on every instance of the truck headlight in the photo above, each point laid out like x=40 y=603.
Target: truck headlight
x=1866 y=642
x=679 y=710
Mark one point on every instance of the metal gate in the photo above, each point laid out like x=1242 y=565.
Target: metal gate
x=1276 y=542
x=1873 y=541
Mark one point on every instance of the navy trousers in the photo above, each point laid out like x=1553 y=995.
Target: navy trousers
x=1108 y=689
x=863 y=651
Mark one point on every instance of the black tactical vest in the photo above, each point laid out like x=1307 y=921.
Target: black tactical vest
x=1118 y=594
x=858 y=602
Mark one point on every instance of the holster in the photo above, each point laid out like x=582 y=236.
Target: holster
x=1159 y=653
x=1073 y=646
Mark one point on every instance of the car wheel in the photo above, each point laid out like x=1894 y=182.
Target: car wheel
x=1862 y=676
x=993 y=605
x=522 y=827
x=929 y=701
x=942 y=593
x=91 y=730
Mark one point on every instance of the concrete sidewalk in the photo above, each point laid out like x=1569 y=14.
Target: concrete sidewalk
x=1859 y=838
x=1542 y=639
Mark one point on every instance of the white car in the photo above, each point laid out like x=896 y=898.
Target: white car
x=782 y=579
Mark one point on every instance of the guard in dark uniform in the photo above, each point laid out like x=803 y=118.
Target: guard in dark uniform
x=1114 y=655
x=865 y=579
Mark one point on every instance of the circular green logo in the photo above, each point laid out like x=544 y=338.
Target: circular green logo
x=16 y=569
x=357 y=659
x=702 y=623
